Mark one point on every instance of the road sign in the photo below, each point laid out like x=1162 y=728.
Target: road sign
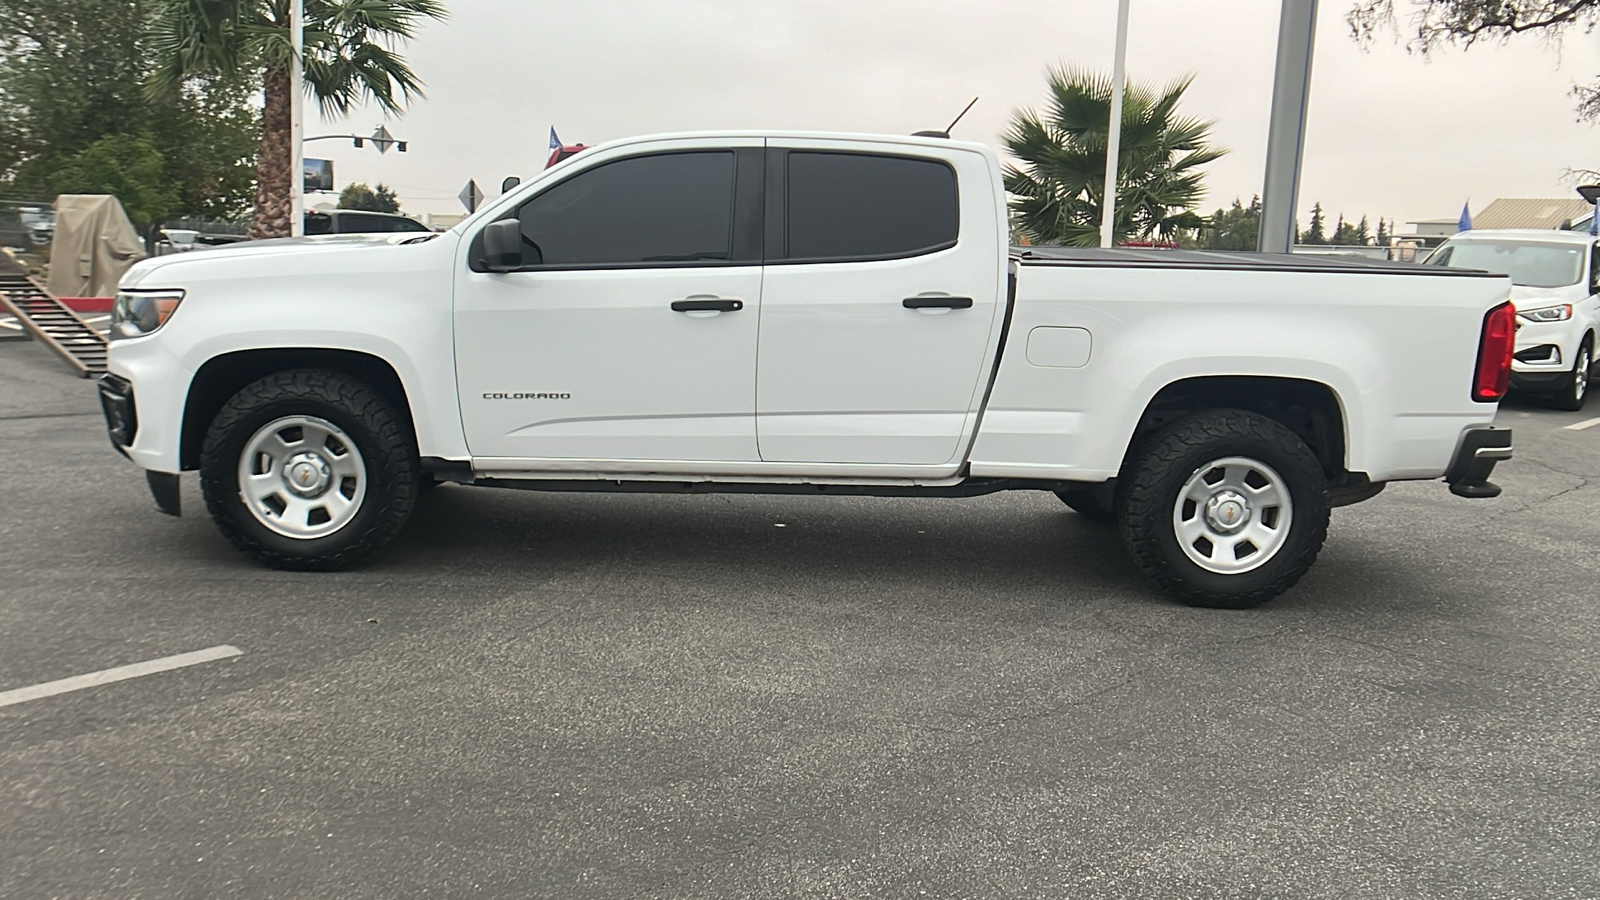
x=470 y=196
x=318 y=174
x=381 y=138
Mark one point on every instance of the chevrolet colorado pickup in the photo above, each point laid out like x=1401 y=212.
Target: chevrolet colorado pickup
x=809 y=314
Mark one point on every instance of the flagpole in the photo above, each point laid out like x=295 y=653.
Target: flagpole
x=297 y=124
x=1108 y=209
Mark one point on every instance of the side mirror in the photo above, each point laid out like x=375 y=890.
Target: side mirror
x=502 y=245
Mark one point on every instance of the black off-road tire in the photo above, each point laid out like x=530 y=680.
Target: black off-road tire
x=1575 y=393
x=363 y=414
x=1151 y=482
x=1086 y=504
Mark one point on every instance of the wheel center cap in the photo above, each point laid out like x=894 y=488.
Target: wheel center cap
x=1227 y=512
x=307 y=474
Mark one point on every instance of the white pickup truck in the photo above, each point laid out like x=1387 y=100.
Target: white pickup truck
x=808 y=314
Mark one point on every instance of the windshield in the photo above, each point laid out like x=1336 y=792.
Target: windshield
x=1529 y=264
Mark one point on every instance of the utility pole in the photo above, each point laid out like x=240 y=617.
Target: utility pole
x=1108 y=209
x=1286 y=132
x=297 y=123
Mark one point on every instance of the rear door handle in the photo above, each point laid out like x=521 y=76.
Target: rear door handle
x=937 y=303
x=712 y=304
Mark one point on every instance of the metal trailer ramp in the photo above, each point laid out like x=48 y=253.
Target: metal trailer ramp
x=51 y=322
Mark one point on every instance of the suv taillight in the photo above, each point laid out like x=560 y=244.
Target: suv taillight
x=1495 y=345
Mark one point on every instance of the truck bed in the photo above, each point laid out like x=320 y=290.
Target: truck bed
x=1140 y=258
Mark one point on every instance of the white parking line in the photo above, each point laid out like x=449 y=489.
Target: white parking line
x=1587 y=423
x=120 y=673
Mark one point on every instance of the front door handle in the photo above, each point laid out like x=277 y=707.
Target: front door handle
x=937 y=303
x=708 y=304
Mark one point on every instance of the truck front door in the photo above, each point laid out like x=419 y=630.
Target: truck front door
x=881 y=305
x=629 y=331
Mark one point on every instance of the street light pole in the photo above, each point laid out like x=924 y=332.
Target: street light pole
x=1108 y=209
x=297 y=124
x=1286 y=132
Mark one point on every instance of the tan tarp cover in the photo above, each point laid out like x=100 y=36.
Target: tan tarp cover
x=94 y=245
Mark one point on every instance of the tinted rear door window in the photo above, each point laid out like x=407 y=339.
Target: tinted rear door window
x=361 y=224
x=855 y=206
x=670 y=209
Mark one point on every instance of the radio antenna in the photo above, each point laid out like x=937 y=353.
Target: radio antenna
x=958 y=118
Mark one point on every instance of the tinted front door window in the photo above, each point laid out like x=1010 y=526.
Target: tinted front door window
x=670 y=209
x=857 y=206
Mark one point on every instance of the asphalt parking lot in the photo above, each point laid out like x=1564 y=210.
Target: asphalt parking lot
x=731 y=696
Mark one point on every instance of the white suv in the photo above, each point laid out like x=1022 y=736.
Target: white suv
x=1553 y=277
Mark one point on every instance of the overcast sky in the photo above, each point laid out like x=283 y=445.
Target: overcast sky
x=1390 y=133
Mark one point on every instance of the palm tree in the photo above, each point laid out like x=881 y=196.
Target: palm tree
x=349 y=57
x=1058 y=188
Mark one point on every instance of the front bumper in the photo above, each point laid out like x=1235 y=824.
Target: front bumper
x=122 y=426
x=1476 y=455
x=1538 y=382
x=122 y=418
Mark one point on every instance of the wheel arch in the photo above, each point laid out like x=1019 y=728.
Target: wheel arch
x=224 y=375
x=1311 y=409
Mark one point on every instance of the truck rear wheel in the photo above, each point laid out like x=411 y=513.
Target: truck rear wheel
x=1224 y=509
x=308 y=469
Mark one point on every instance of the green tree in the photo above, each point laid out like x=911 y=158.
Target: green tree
x=357 y=195
x=1315 y=234
x=348 y=59
x=1235 y=228
x=72 y=74
x=1057 y=186
x=127 y=166
x=1434 y=23
x=1344 y=234
x=1363 y=232
x=388 y=201
x=1383 y=237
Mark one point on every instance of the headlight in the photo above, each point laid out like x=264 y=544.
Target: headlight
x=138 y=313
x=1546 y=313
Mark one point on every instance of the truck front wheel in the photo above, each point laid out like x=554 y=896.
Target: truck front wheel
x=308 y=469
x=1224 y=509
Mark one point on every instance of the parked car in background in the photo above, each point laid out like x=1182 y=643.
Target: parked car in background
x=359 y=221
x=187 y=240
x=1553 y=277
x=40 y=225
x=26 y=227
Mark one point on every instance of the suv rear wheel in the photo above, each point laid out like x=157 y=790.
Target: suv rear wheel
x=309 y=469
x=1224 y=508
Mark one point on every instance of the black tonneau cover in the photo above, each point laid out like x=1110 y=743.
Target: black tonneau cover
x=1140 y=258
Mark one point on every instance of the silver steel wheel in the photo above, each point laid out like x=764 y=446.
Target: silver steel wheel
x=1580 y=375
x=1232 y=515
x=302 y=477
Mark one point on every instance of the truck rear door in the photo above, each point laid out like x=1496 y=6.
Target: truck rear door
x=881 y=303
